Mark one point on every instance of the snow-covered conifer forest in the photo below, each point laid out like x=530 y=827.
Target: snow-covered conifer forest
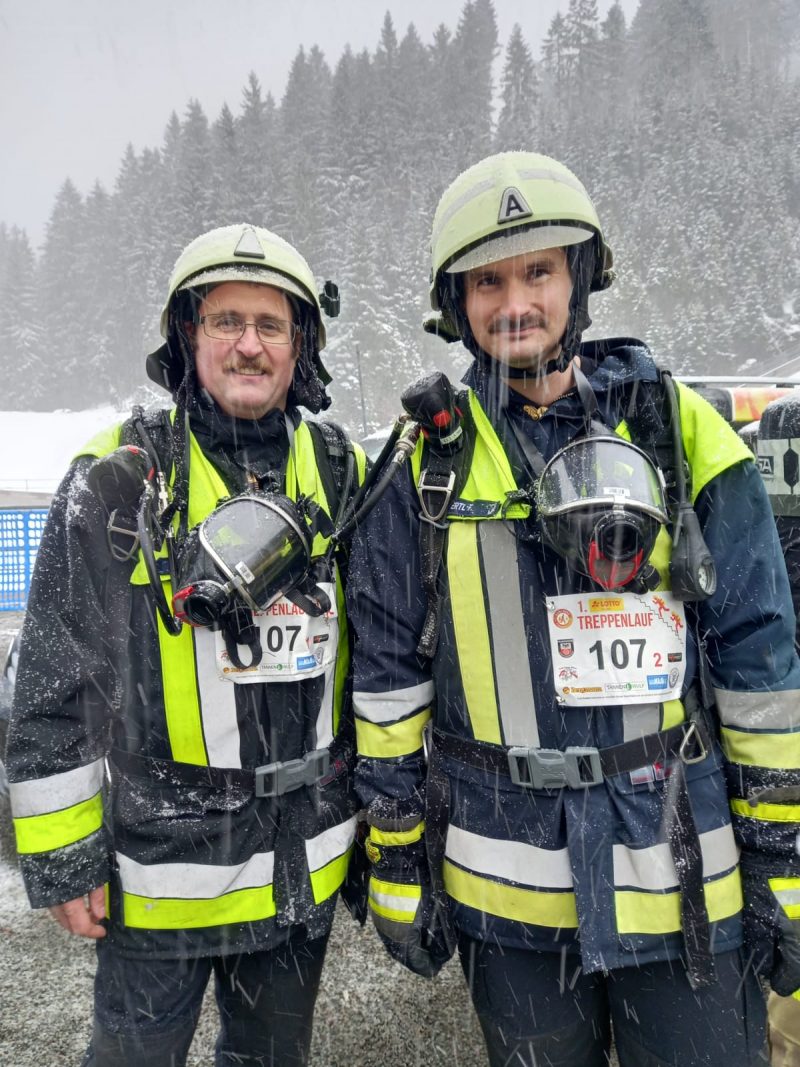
x=684 y=125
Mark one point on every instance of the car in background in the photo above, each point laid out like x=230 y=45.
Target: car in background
x=740 y=401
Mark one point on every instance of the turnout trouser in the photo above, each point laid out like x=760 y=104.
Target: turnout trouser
x=146 y=1010
x=538 y=1009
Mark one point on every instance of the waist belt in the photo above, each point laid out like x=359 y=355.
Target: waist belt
x=575 y=767
x=581 y=768
x=317 y=768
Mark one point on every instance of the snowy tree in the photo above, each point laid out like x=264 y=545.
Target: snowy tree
x=517 y=121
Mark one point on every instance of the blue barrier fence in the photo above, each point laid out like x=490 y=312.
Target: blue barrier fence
x=20 y=534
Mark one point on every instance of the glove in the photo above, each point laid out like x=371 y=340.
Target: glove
x=772 y=920
x=413 y=927
x=785 y=976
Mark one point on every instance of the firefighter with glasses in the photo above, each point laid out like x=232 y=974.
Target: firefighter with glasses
x=181 y=744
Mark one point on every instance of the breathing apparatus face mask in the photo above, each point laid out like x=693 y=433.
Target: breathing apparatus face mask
x=600 y=503
x=249 y=552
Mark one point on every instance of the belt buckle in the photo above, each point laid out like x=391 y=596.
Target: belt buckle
x=275 y=779
x=550 y=768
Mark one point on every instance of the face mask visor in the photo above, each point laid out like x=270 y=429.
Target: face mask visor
x=255 y=548
x=600 y=503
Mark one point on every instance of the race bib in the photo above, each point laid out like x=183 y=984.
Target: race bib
x=617 y=648
x=294 y=645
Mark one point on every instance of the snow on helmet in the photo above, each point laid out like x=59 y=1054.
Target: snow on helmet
x=241 y=253
x=508 y=204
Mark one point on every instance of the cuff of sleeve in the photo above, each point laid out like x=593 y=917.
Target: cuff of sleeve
x=56 y=877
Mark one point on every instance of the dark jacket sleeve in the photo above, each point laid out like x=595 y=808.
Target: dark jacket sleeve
x=65 y=694
x=392 y=685
x=748 y=628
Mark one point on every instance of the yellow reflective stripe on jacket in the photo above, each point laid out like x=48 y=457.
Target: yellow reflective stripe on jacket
x=342 y=669
x=468 y=608
x=326 y=880
x=303 y=478
x=164 y=913
x=773 y=750
x=550 y=908
x=57 y=829
x=396 y=901
x=391 y=740
x=396 y=837
x=181 y=698
x=765 y=812
x=639 y=912
x=328 y=855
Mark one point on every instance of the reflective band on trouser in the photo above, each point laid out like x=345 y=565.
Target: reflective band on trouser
x=43 y=833
x=471 y=627
x=176 y=896
x=395 y=901
x=787 y=893
x=328 y=856
x=391 y=739
x=504 y=600
x=772 y=750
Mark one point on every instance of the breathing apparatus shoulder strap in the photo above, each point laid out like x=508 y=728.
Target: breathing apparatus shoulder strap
x=650 y=418
x=333 y=451
x=157 y=436
x=441 y=479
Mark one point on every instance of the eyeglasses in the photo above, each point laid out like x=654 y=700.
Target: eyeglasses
x=227 y=326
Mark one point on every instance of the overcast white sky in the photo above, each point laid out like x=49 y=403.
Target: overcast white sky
x=79 y=79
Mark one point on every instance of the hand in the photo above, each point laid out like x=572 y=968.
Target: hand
x=772 y=921
x=82 y=916
x=411 y=926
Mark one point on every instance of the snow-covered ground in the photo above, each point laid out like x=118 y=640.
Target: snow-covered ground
x=36 y=446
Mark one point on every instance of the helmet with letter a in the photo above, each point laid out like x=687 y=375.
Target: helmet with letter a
x=250 y=254
x=510 y=204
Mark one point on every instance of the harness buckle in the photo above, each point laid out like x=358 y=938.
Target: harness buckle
x=445 y=491
x=550 y=768
x=123 y=541
x=693 y=736
x=275 y=779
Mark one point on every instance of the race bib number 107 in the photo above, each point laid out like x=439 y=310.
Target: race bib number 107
x=617 y=648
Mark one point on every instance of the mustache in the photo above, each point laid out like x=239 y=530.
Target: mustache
x=508 y=324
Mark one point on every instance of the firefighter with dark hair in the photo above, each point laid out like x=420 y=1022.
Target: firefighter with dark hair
x=575 y=683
